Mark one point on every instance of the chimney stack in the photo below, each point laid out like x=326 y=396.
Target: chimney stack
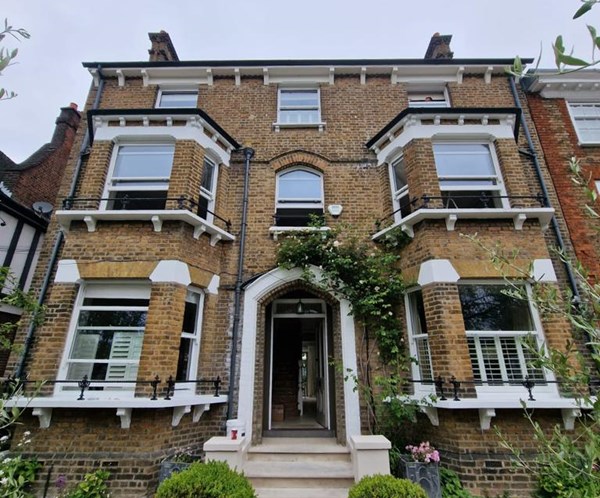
x=162 y=48
x=439 y=47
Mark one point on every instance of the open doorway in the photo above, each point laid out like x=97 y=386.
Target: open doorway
x=298 y=376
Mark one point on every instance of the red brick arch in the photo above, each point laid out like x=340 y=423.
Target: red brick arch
x=297 y=157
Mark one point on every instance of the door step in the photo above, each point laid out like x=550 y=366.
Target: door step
x=299 y=433
x=302 y=492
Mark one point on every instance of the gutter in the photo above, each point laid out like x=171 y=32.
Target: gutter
x=248 y=155
x=83 y=151
x=538 y=171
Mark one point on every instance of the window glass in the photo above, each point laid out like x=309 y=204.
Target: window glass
x=189 y=343
x=144 y=161
x=299 y=106
x=463 y=159
x=206 y=202
x=418 y=335
x=299 y=185
x=174 y=99
x=299 y=196
x=586 y=119
x=427 y=99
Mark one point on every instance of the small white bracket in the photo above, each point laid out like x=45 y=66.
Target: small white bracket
x=451 y=222
x=215 y=137
x=408 y=230
x=390 y=136
x=157 y=222
x=199 y=411
x=331 y=75
x=169 y=121
x=519 y=221
x=432 y=414
x=98 y=123
x=394 y=75
x=485 y=418
x=44 y=415
x=178 y=413
x=198 y=231
x=437 y=120
x=209 y=76
x=459 y=74
x=96 y=76
x=90 y=221
x=238 y=78
x=487 y=77
x=321 y=127
x=125 y=415
x=265 y=76
x=363 y=75
x=461 y=119
x=122 y=121
x=485 y=120
x=145 y=121
x=120 y=77
x=214 y=239
x=144 y=77
x=277 y=128
x=569 y=415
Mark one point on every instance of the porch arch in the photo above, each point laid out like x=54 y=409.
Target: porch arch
x=254 y=295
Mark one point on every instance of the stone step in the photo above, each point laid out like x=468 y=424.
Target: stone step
x=301 y=483
x=295 y=445
x=267 y=456
x=302 y=492
x=299 y=470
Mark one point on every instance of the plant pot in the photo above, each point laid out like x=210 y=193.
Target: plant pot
x=167 y=467
x=427 y=475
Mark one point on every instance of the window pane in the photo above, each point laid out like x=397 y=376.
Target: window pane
x=299 y=184
x=144 y=161
x=208 y=173
x=471 y=199
x=463 y=159
x=94 y=318
x=299 y=116
x=137 y=200
x=190 y=317
x=399 y=174
x=178 y=99
x=184 y=360
x=296 y=217
x=485 y=307
x=299 y=98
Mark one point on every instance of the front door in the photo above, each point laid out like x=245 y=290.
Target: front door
x=298 y=375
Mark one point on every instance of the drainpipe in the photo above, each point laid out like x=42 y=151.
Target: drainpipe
x=538 y=171
x=20 y=370
x=248 y=155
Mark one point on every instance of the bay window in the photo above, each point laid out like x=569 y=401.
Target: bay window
x=138 y=177
x=503 y=333
x=469 y=176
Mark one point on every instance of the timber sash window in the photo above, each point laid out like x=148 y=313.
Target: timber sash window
x=586 y=119
x=400 y=192
x=501 y=333
x=189 y=345
x=419 y=341
x=108 y=334
x=168 y=99
x=299 y=195
x=438 y=98
x=299 y=107
x=139 y=177
x=208 y=187
x=468 y=175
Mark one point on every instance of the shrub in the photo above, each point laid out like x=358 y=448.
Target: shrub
x=93 y=486
x=380 y=486
x=206 y=480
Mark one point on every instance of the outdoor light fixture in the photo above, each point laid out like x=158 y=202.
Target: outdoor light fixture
x=299 y=307
x=334 y=210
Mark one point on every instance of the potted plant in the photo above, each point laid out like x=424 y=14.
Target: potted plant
x=421 y=466
x=177 y=462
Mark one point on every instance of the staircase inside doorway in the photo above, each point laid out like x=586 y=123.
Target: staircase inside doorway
x=299 y=468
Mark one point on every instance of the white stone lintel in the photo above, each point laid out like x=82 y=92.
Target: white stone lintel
x=171 y=271
x=213 y=286
x=543 y=271
x=437 y=271
x=67 y=272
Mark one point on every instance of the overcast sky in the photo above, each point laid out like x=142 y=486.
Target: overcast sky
x=65 y=33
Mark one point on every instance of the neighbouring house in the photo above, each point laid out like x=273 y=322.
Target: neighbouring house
x=169 y=322
x=28 y=192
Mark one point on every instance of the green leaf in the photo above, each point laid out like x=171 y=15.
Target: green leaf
x=559 y=49
x=569 y=60
x=592 y=31
x=586 y=7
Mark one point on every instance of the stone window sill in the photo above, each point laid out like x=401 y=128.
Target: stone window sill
x=277 y=231
x=278 y=126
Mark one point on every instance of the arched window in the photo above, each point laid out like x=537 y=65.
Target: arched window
x=299 y=195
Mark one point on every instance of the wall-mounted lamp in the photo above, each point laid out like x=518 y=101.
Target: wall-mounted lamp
x=334 y=210
x=299 y=307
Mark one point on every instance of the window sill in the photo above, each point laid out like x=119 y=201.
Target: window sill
x=91 y=217
x=451 y=216
x=278 y=126
x=488 y=403
x=277 y=231
x=43 y=406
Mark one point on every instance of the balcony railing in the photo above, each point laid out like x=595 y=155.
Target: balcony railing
x=479 y=205
x=155 y=209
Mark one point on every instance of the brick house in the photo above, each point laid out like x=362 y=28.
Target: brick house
x=28 y=192
x=165 y=279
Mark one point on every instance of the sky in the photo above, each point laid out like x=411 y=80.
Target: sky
x=48 y=74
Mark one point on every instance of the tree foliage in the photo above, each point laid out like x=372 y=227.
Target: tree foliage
x=7 y=56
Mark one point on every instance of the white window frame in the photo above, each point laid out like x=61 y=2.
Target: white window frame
x=281 y=108
x=114 y=289
x=414 y=347
x=299 y=204
x=424 y=93
x=597 y=183
x=498 y=189
x=574 y=119
x=398 y=195
x=547 y=389
x=173 y=91
x=210 y=195
x=195 y=338
x=109 y=188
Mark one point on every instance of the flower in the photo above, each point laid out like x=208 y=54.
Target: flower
x=3 y=481
x=3 y=439
x=61 y=481
x=424 y=453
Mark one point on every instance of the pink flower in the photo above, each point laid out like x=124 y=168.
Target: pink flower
x=424 y=453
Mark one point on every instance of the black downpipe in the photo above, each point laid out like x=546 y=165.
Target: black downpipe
x=248 y=155
x=20 y=370
x=538 y=171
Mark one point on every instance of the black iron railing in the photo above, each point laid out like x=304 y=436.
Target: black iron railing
x=127 y=203
x=158 y=389
x=457 y=389
x=480 y=200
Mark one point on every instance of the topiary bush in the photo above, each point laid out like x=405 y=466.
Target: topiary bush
x=380 y=486
x=206 y=480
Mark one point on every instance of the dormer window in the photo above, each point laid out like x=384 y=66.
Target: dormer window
x=299 y=195
x=171 y=99
x=437 y=98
